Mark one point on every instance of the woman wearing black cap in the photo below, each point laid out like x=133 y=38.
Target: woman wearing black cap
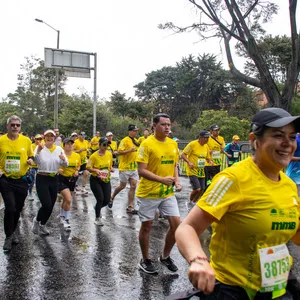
x=67 y=180
x=254 y=211
x=100 y=167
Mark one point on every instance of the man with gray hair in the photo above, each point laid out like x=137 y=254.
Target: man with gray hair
x=16 y=156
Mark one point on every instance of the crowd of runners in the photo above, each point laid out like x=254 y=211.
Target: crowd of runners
x=235 y=202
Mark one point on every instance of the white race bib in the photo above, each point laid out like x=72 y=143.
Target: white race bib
x=103 y=174
x=201 y=163
x=216 y=155
x=275 y=267
x=12 y=165
x=235 y=154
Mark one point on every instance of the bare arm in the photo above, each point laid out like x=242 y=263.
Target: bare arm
x=200 y=273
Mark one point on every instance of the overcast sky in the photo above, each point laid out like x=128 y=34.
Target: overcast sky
x=123 y=33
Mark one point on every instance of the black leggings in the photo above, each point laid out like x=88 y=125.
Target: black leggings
x=14 y=193
x=101 y=191
x=46 y=188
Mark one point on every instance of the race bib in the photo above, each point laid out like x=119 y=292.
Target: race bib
x=201 y=163
x=12 y=165
x=275 y=267
x=103 y=175
x=235 y=154
x=216 y=155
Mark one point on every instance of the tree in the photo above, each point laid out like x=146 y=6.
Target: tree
x=240 y=20
x=195 y=84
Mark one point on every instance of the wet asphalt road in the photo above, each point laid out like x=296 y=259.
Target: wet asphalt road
x=91 y=262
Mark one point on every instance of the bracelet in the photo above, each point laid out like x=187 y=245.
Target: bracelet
x=198 y=258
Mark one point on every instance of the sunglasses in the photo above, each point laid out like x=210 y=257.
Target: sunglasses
x=39 y=139
x=15 y=125
x=105 y=145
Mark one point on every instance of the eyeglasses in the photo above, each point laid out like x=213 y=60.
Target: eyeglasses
x=15 y=125
x=39 y=139
x=104 y=145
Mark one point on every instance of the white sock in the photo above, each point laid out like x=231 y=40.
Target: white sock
x=67 y=214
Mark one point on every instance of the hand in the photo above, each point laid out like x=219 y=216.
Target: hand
x=62 y=157
x=30 y=161
x=112 y=170
x=202 y=276
x=191 y=165
x=60 y=171
x=168 y=180
x=40 y=147
x=133 y=149
x=178 y=187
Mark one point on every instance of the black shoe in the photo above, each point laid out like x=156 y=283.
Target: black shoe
x=147 y=266
x=8 y=244
x=131 y=210
x=168 y=262
x=110 y=203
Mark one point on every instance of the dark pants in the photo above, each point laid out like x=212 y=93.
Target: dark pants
x=33 y=173
x=46 y=188
x=102 y=193
x=228 y=292
x=14 y=193
x=210 y=172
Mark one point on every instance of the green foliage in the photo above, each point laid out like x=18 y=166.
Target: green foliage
x=229 y=125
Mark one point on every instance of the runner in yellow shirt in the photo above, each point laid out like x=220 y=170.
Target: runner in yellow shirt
x=254 y=211
x=112 y=147
x=81 y=146
x=100 y=166
x=216 y=145
x=197 y=155
x=16 y=156
x=95 y=142
x=67 y=180
x=157 y=165
x=128 y=167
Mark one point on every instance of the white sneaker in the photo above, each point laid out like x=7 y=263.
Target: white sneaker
x=84 y=191
x=43 y=229
x=30 y=197
x=35 y=226
x=98 y=222
x=67 y=226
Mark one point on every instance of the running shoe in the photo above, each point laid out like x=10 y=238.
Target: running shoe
x=110 y=203
x=169 y=263
x=131 y=210
x=98 y=222
x=7 y=244
x=30 y=197
x=35 y=226
x=147 y=266
x=67 y=226
x=84 y=191
x=43 y=229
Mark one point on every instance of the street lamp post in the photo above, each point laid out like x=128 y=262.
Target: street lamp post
x=56 y=77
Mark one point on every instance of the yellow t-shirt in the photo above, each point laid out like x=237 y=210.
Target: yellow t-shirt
x=112 y=146
x=253 y=212
x=197 y=155
x=161 y=159
x=82 y=145
x=14 y=155
x=127 y=161
x=33 y=146
x=141 y=139
x=95 y=139
x=74 y=165
x=102 y=163
x=216 y=149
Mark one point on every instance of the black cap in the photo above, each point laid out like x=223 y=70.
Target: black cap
x=214 y=127
x=104 y=140
x=132 y=127
x=204 y=133
x=274 y=117
x=68 y=140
